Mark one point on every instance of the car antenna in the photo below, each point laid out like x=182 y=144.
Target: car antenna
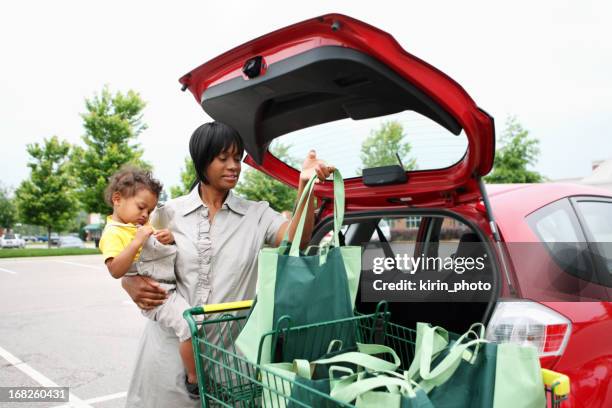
x=399 y=160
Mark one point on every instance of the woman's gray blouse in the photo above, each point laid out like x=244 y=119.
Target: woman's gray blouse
x=216 y=262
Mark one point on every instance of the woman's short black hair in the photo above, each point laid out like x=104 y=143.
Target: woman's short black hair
x=208 y=141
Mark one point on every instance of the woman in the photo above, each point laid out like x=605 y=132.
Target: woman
x=218 y=236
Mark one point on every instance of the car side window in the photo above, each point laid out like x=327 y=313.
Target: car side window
x=442 y=237
x=394 y=230
x=597 y=220
x=555 y=224
x=398 y=229
x=557 y=227
x=450 y=233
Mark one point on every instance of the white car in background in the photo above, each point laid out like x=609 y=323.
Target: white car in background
x=11 y=241
x=70 y=242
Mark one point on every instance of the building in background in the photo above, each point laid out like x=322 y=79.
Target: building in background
x=93 y=230
x=601 y=175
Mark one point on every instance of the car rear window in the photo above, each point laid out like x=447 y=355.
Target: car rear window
x=352 y=145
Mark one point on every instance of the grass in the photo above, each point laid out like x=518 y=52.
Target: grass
x=29 y=252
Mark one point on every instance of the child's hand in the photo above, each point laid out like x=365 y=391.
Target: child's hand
x=164 y=236
x=143 y=233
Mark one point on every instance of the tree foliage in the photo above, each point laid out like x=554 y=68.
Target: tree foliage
x=47 y=197
x=188 y=177
x=8 y=210
x=112 y=124
x=518 y=151
x=258 y=186
x=380 y=147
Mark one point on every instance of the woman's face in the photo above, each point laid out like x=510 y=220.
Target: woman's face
x=224 y=170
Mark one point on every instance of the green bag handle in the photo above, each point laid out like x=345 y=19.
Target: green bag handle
x=350 y=392
x=364 y=358
x=337 y=379
x=339 y=202
x=440 y=342
x=435 y=339
x=447 y=367
x=339 y=206
x=480 y=334
x=453 y=358
x=333 y=344
x=334 y=370
x=302 y=368
x=308 y=189
x=481 y=329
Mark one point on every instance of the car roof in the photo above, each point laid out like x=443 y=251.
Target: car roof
x=523 y=199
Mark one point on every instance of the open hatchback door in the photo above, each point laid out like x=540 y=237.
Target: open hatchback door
x=335 y=67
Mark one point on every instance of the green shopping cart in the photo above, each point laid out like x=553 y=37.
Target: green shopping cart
x=226 y=379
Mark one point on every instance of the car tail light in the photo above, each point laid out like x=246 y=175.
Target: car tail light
x=529 y=323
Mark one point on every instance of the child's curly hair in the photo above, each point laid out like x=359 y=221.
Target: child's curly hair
x=128 y=180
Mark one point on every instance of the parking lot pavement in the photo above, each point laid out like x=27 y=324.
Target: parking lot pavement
x=66 y=321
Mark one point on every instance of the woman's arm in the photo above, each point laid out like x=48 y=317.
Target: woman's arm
x=311 y=166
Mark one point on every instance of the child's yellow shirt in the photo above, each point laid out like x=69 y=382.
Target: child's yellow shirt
x=116 y=237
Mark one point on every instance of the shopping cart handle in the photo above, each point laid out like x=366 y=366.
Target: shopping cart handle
x=557 y=382
x=227 y=307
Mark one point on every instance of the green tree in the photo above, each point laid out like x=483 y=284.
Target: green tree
x=112 y=124
x=258 y=186
x=8 y=211
x=188 y=176
x=518 y=151
x=380 y=147
x=47 y=197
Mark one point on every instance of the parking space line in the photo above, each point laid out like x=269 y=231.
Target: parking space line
x=39 y=378
x=82 y=265
x=8 y=271
x=98 y=399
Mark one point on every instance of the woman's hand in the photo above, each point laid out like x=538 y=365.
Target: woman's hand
x=164 y=236
x=311 y=166
x=144 y=291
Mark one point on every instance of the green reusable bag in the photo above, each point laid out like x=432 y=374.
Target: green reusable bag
x=307 y=289
x=385 y=389
x=439 y=342
x=319 y=375
x=518 y=378
x=477 y=373
x=462 y=374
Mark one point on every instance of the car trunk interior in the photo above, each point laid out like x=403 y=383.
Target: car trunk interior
x=454 y=316
x=318 y=86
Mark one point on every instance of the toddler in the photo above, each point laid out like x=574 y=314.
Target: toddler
x=132 y=247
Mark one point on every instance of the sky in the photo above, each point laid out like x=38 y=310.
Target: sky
x=547 y=62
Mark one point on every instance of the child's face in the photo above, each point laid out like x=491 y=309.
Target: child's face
x=135 y=209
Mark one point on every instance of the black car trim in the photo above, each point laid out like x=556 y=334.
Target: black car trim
x=321 y=85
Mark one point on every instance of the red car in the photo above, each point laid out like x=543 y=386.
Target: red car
x=550 y=273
